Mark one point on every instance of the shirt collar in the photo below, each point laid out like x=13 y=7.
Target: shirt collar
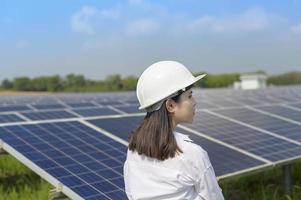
x=182 y=136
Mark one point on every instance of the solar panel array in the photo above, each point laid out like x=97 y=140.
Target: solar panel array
x=78 y=142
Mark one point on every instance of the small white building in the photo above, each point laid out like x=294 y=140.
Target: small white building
x=252 y=81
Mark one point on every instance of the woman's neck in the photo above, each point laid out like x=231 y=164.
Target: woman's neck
x=174 y=125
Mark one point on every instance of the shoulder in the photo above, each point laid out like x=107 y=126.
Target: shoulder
x=192 y=153
x=187 y=144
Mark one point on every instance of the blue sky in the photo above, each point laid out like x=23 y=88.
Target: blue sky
x=98 y=38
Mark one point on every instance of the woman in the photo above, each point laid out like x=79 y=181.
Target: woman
x=161 y=162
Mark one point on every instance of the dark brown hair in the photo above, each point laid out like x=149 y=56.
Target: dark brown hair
x=154 y=136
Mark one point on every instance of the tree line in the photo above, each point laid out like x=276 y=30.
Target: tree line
x=115 y=82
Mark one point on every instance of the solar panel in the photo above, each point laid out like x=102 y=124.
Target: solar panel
x=82 y=159
x=89 y=164
x=86 y=112
x=118 y=126
x=263 y=121
x=5 y=118
x=222 y=156
x=223 y=159
x=282 y=111
x=245 y=138
x=46 y=115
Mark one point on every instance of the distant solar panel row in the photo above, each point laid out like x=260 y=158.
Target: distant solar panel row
x=46 y=115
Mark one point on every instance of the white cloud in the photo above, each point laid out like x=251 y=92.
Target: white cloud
x=296 y=28
x=254 y=19
x=82 y=21
x=21 y=44
x=142 y=27
x=111 y=13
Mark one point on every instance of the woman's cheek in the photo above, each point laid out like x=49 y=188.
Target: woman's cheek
x=190 y=115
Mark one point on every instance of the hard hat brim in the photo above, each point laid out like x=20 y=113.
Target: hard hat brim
x=199 y=77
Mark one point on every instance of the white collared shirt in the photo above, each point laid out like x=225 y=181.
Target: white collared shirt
x=188 y=175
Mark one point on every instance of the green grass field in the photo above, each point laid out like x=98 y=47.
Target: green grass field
x=17 y=182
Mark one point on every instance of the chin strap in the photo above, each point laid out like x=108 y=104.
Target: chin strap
x=157 y=106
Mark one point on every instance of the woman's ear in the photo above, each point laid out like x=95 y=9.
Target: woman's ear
x=170 y=105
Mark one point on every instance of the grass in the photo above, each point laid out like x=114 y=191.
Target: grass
x=265 y=185
x=17 y=182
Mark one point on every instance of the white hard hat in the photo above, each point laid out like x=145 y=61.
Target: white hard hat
x=161 y=80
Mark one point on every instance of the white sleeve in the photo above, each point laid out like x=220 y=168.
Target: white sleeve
x=126 y=180
x=207 y=186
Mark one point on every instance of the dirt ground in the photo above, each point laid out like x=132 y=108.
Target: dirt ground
x=16 y=93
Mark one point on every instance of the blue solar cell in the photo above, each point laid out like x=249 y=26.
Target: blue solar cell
x=80 y=105
x=71 y=181
x=85 y=190
x=109 y=103
x=6 y=118
x=104 y=186
x=86 y=169
x=46 y=115
x=117 y=194
x=88 y=112
x=48 y=106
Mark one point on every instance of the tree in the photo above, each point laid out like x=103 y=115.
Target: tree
x=113 y=82
x=7 y=84
x=22 y=84
x=129 y=83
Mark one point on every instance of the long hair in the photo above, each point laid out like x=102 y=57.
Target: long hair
x=154 y=136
